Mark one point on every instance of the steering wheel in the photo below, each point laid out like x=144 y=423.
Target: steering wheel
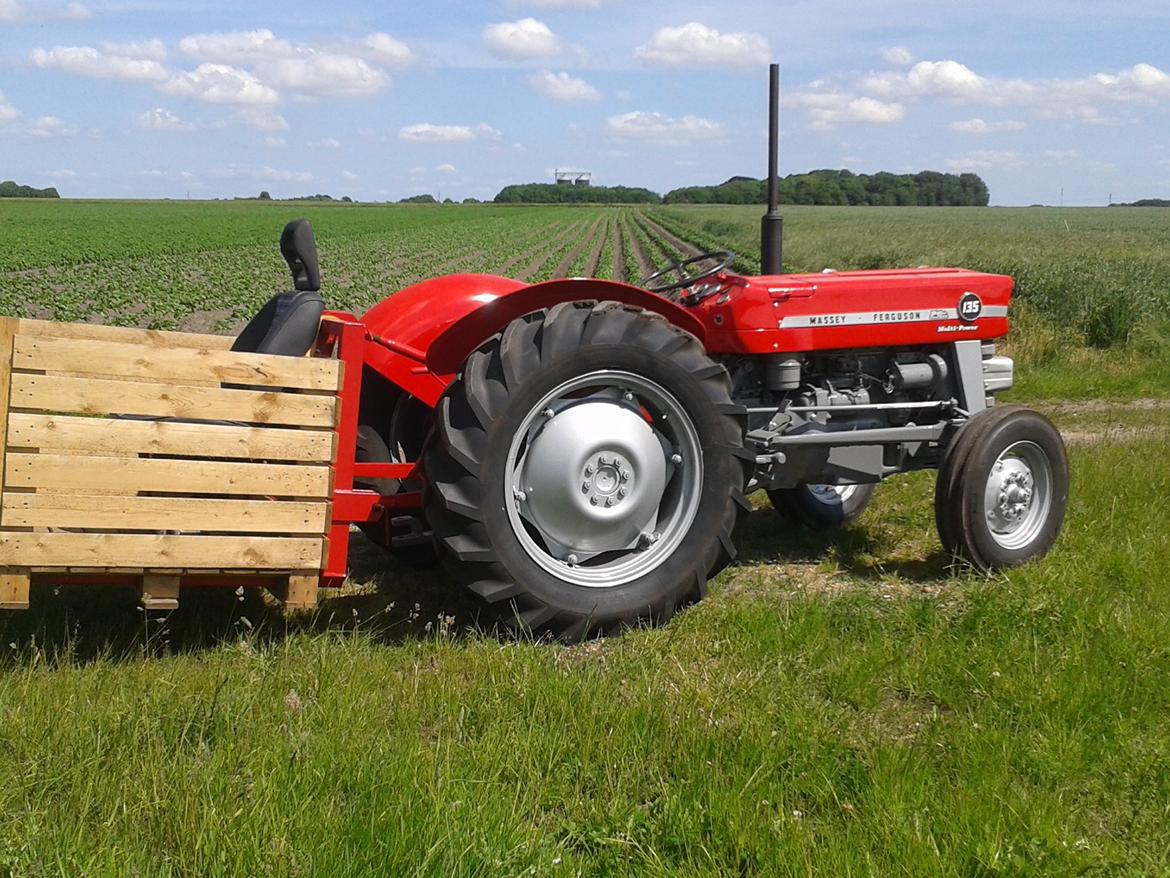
x=724 y=257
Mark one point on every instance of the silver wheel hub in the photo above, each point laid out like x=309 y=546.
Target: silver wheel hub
x=833 y=495
x=592 y=479
x=604 y=476
x=1017 y=497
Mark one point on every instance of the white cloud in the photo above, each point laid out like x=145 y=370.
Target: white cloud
x=154 y=50
x=829 y=109
x=88 y=61
x=7 y=112
x=563 y=87
x=559 y=4
x=665 y=130
x=445 y=168
x=49 y=126
x=160 y=119
x=236 y=47
x=13 y=10
x=526 y=39
x=77 y=12
x=61 y=174
x=323 y=74
x=276 y=142
x=389 y=50
x=897 y=56
x=326 y=143
x=349 y=176
x=986 y=160
x=261 y=118
x=266 y=174
x=220 y=84
x=980 y=126
x=10 y=10
x=694 y=43
x=425 y=132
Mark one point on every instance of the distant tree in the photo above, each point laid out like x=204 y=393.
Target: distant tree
x=418 y=199
x=448 y=201
x=347 y=199
x=551 y=193
x=471 y=201
x=825 y=186
x=264 y=196
x=12 y=189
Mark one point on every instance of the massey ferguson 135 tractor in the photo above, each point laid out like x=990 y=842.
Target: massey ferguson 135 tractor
x=578 y=451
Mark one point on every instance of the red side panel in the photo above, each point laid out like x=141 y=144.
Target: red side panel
x=859 y=309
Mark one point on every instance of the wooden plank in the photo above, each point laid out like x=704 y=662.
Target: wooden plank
x=159 y=592
x=14 y=589
x=95 y=332
x=7 y=327
x=118 y=436
x=76 y=474
x=99 y=396
x=299 y=593
x=194 y=552
x=150 y=362
x=81 y=511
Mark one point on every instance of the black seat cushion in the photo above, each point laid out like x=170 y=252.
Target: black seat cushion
x=286 y=325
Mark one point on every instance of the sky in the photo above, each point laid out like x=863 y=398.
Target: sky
x=1050 y=100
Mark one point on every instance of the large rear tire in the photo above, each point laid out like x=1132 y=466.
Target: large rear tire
x=586 y=470
x=1003 y=489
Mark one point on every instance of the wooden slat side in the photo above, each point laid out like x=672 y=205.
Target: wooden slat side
x=151 y=362
x=7 y=330
x=119 y=436
x=95 y=332
x=159 y=592
x=96 y=396
x=79 y=474
x=14 y=589
x=187 y=514
x=179 y=551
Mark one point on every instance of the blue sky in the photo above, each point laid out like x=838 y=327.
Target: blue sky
x=144 y=98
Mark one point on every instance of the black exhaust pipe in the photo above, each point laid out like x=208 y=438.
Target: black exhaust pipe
x=772 y=226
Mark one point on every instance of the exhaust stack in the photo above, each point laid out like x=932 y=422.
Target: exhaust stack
x=772 y=226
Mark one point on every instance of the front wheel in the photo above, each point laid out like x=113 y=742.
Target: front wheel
x=822 y=507
x=1003 y=489
x=586 y=470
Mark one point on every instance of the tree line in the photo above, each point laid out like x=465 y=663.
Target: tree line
x=925 y=189
x=12 y=189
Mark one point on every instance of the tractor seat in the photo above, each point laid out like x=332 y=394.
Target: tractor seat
x=286 y=325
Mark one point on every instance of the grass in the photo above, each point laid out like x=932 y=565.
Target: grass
x=839 y=705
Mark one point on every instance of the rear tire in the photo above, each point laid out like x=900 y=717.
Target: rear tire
x=1003 y=489
x=622 y=430
x=822 y=507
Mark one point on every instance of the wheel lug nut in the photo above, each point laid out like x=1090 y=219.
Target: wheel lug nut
x=585 y=488
x=572 y=559
x=603 y=461
x=548 y=413
x=676 y=459
x=628 y=397
x=622 y=491
x=625 y=475
x=609 y=501
x=593 y=501
x=589 y=469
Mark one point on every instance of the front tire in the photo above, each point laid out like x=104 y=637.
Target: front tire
x=1003 y=489
x=587 y=470
x=822 y=507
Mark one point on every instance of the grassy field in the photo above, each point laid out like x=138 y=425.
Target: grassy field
x=839 y=705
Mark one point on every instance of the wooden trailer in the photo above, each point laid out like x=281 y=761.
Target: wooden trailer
x=162 y=459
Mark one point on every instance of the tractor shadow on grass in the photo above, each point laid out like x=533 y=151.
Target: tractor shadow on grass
x=860 y=550
x=389 y=602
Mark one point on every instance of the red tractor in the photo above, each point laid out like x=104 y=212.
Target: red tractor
x=579 y=451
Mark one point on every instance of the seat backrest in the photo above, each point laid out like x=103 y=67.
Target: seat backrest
x=286 y=325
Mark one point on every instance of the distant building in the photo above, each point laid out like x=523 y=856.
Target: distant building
x=573 y=178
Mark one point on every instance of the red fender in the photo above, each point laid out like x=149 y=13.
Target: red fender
x=449 y=317
x=448 y=351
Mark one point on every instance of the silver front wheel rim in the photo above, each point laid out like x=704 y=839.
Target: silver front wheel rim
x=832 y=495
x=603 y=478
x=1017 y=499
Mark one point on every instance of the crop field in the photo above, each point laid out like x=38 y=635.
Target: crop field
x=840 y=704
